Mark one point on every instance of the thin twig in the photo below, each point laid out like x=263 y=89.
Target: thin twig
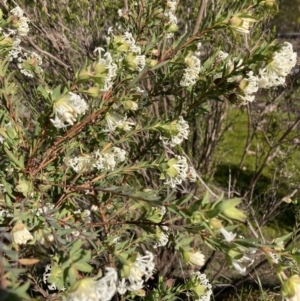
x=48 y=54
x=200 y=16
x=126 y=5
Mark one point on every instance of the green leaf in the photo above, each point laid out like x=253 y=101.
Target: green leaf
x=75 y=247
x=20 y=163
x=83 y=267
x=160 y=65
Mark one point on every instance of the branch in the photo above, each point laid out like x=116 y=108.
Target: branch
x=200 y=16
x=48 y=54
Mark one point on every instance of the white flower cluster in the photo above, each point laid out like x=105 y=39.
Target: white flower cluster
x=108 y=161
x=111 y=68
x=281 y=65
x=139 y=60
x=191 y=73
x=129 y=39
x=22 y=22
x=101 y=161
x=66 y=110
x=201 y=278
x=74 y=233
x=90 y=289
x=85 y=215
x=15 y=51
x=172 y=19
x=115 y=120
x=80 y=164
x=162 y=235
x=44 y=209
x=34 y=60
x=183 y=130
x=250 y=84
x=141 y=270
x=183 y=171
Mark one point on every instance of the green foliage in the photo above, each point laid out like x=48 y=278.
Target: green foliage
x=95 y=182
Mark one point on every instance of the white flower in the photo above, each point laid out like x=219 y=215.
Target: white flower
x=191 y=73
x=177 y=171
x=237 y=264
x=43 y=210
x=203 y=281
x=182 y=132
x=89 y=289
x=128 y=38
x=241 y=270
x=171 y=5
x=140 y=61
x=20 y=234
x=228 y=236
x=120 y=12
x=162 y=235
x=79 y=164
x=241 y=24
x=67 y=108
x=192 y=174
x=115 y=120
x=33 y=61
x=140 y=270
x=249 y=86
x=194 y=258
x=111 y=68
x=94 y=208
x=2 y=139
x=283 y=60
x=269 y=79
x=110 y=159
x=274 y=257
x=22 y=22
x=15 y=51
x=281 y=65
x=120 y=154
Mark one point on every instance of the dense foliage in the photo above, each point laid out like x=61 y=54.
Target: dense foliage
x=102 y=193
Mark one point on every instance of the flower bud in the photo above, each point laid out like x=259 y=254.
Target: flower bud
x=193 y=258
x=6 y=42
x=85 y=74
x=243 y=84
x=92 y=91
x=155 y=52
x=291 y=288
x=122 y=45
x=130 y=105
x=172 y=28
x=270 y=4
x=228 y=209
x=235 y=21
x=215 y=223
x=153 y=63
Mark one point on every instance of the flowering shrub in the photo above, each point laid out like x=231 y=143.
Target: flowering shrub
x=95 y=180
